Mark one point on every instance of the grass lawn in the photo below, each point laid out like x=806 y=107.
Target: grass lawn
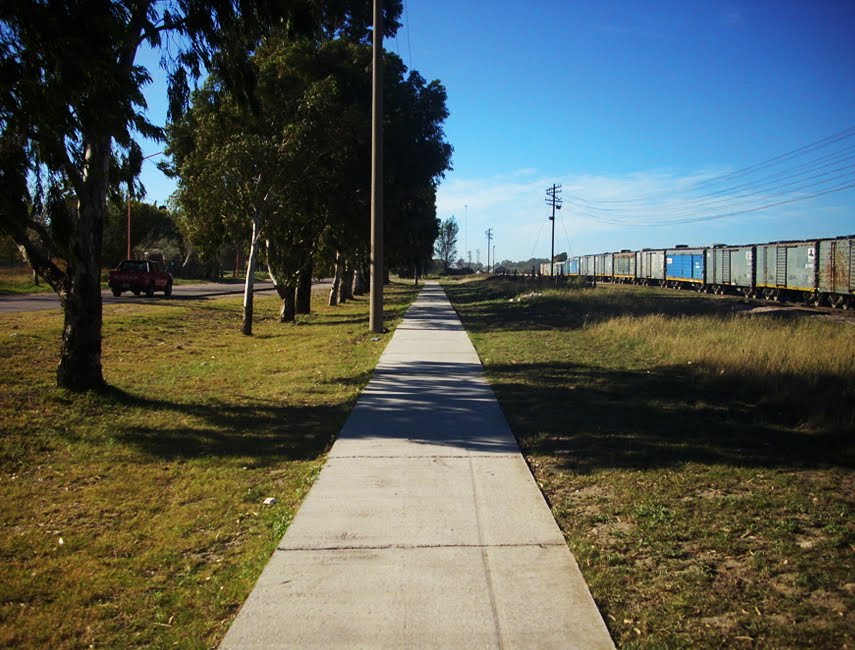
x=134 y=518
x=698 y=457
x=19 y=279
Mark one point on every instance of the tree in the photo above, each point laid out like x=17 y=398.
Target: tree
x=310 y=149
x=72 y=107
x=262 y=174
x=446 y=245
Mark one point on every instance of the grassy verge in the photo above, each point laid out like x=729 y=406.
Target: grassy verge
x=134 y=518
x=697 y=457
x=19 y=279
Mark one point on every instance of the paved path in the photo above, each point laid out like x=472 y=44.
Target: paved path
x=425 y=527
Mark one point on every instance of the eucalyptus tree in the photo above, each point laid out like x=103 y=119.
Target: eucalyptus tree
x=72 y=107
x=416 y=157
x=446 y=245
x=296 y=168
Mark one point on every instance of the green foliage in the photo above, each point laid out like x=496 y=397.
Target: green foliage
x=154 y=230
x=299 y=165
x=446 y=245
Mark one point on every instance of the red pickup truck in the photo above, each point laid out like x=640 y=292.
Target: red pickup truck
x=138 y=276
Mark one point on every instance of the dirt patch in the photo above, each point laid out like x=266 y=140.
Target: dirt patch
x=826 y=600
x=724 y=623
x=791 y=312
x=786 y=584
x=612 y=529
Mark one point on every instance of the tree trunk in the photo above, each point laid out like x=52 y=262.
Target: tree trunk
x=347 y=286
x=287 y=293
x=80 y=296
x=343 y=287
x=361 y=281
x=339 y=267
x=80 y=354
x=304 y=288
x=246 y=326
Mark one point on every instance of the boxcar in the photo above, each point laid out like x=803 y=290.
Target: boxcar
x=684 y=266
x=604 y=266
x=587 y=265
x=624 y=266
x=571 y=266
x=836 y=271
x=787 y=267
x=730 y=268
x=650 y=266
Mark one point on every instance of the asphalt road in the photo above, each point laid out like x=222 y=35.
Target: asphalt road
x=49 y=300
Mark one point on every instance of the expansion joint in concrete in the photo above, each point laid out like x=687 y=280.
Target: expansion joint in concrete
x=408 y=547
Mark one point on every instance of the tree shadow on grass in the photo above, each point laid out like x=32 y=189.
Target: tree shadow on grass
x=263 y=430
x=594 y=419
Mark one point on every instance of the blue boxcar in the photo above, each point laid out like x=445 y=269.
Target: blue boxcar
x=685 y=265
x=571 y=266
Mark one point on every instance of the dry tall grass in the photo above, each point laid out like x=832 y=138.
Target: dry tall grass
x=808 y=360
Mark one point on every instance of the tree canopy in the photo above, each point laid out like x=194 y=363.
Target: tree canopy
x=296 y=170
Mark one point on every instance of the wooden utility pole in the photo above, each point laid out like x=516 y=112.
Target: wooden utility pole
x=553 y=196
x=377 y=275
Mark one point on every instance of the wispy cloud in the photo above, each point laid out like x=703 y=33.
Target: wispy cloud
x=615 y=211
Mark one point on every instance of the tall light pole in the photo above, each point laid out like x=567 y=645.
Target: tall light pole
x=466 y=227
x=129 y=205
x=376 y=270
x=553 y=196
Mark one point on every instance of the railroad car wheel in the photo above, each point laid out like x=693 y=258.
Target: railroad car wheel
x=116 y=292
x=135 y=291
x=150 y=290
x=168 y=290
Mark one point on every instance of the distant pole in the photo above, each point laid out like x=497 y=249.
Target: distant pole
x=489 y=234
x=466 y=227
x=553 y=196
x=129 y=204
x=376 y=294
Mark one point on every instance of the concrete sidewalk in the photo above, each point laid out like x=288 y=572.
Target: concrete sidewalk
x=425 y=527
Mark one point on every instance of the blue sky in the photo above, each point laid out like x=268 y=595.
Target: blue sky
x=630 y=105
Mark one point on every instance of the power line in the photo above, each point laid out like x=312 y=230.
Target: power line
x=801 y=170
x=803 y=173
x=700 y=207
x=838 y=188
x=745 y=171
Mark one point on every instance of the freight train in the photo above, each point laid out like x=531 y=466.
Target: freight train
x=816 y=271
